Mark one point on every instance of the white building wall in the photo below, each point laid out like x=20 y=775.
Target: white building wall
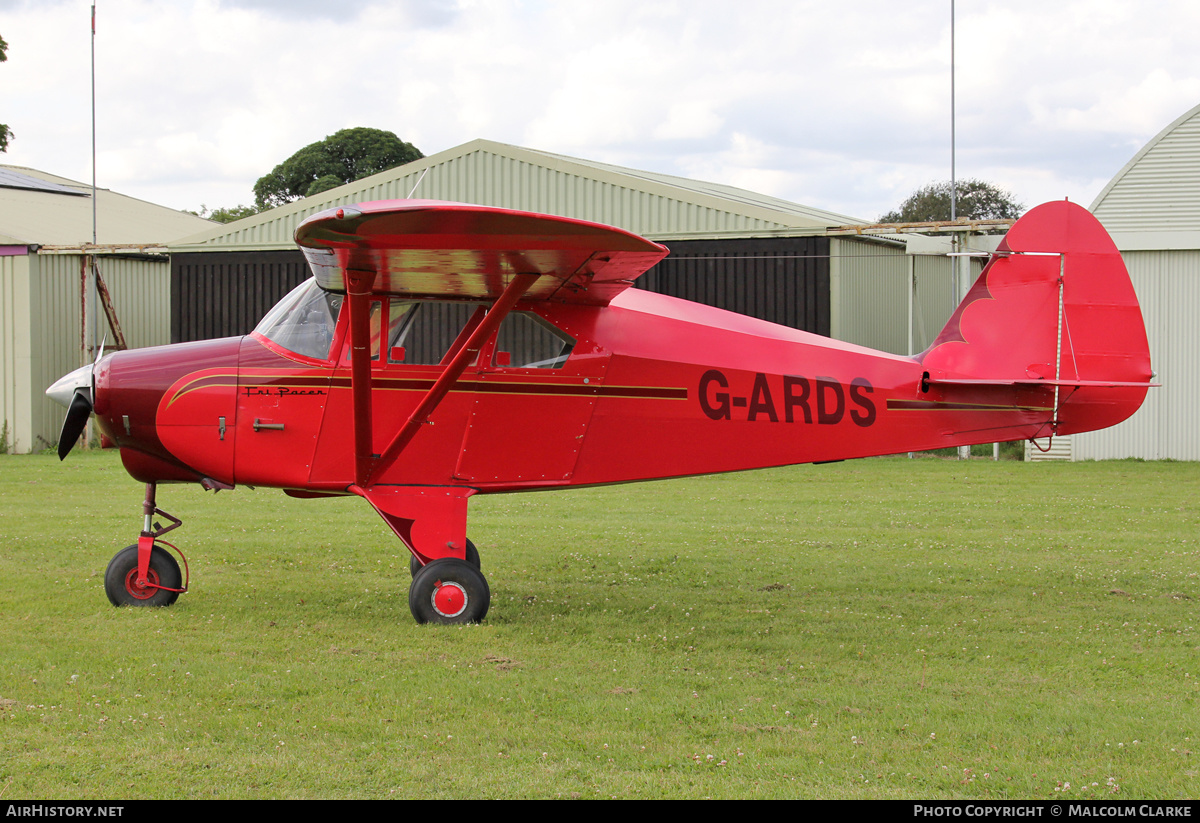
x=1167 y=426
x=15 y=354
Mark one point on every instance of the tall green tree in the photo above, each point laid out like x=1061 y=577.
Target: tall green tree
x=5 y=132
x=344 y=157
x=976 y=200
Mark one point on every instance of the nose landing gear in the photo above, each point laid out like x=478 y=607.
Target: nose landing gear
x=146 y=574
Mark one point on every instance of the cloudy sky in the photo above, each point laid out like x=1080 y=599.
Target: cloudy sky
x=844 y=107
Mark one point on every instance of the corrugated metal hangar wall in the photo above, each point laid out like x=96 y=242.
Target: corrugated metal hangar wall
x=223 y=294
x=1152 y=210
x=40 y=334
x=1167 y=283
x=783 y=280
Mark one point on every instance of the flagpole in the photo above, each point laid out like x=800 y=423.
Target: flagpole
x=953 y=186
x=90 y=312
x=94 y=234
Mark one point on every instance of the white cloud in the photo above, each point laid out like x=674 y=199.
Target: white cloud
x=842 y=108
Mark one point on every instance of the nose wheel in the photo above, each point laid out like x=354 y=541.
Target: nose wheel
x=162 y=585
x=146 y=574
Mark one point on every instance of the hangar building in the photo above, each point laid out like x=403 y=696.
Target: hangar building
x=1152 y=210
x=731 y=248
x=45 y=248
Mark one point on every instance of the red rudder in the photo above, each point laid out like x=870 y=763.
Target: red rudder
x=1053 y=308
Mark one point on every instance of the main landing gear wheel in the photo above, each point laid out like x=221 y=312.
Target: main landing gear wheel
x=414 y=565
x=120 y=580
x=449 y=591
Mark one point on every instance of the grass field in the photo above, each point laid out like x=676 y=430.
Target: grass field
x=880 y=628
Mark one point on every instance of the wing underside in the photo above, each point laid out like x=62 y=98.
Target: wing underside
x=425 y=248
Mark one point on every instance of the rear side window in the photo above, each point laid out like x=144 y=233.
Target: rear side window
x=526 y=341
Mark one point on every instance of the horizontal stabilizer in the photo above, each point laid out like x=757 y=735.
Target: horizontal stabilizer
x=1041 y=383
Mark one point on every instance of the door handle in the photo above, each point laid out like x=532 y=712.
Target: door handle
x=259 y=425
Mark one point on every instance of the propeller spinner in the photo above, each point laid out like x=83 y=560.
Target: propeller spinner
x=76 y=391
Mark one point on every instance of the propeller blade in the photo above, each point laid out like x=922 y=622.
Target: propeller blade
x=77 y=417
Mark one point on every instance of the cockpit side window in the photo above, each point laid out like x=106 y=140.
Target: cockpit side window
x=303 y=322
x=421 y=333
x=427 y=333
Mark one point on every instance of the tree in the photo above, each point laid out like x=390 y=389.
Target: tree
x=5 y=132
x=324 y=183
x=976 y=200
x=344 y=157
x=227 y=214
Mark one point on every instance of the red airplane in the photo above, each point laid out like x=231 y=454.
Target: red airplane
x=443 y=350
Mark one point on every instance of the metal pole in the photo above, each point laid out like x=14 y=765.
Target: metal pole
x=962 y=278
x=953 y=183
x=94 y=235
x=955 y=290
x=912 y=302
x=959 y=278
x=88 y=335
x=90 y=315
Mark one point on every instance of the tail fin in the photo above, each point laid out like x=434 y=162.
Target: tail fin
x=1055 y=309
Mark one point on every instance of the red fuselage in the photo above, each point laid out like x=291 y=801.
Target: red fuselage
x=653 y=387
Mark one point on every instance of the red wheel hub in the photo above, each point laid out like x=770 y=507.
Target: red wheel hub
x=449 y=599
x=141 y=592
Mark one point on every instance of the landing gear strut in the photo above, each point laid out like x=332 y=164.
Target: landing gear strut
x=146 y=574
x=431 y=522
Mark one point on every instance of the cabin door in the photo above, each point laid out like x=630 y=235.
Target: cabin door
x=533 y=402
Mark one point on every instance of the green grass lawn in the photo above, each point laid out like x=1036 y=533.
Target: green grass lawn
x=883 y=628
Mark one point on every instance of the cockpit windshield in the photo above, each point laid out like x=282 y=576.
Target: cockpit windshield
x=303 y=322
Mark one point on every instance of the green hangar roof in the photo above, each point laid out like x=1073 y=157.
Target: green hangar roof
x=657 y=206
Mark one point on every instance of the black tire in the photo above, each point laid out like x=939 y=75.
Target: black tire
x=414 y=565
x=450 y=592
x=120 y=579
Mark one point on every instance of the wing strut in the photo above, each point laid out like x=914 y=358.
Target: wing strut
x=358 y=294
x=454 y=369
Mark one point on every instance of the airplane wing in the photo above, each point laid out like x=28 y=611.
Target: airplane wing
x=433 y=249
x=430 y=248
